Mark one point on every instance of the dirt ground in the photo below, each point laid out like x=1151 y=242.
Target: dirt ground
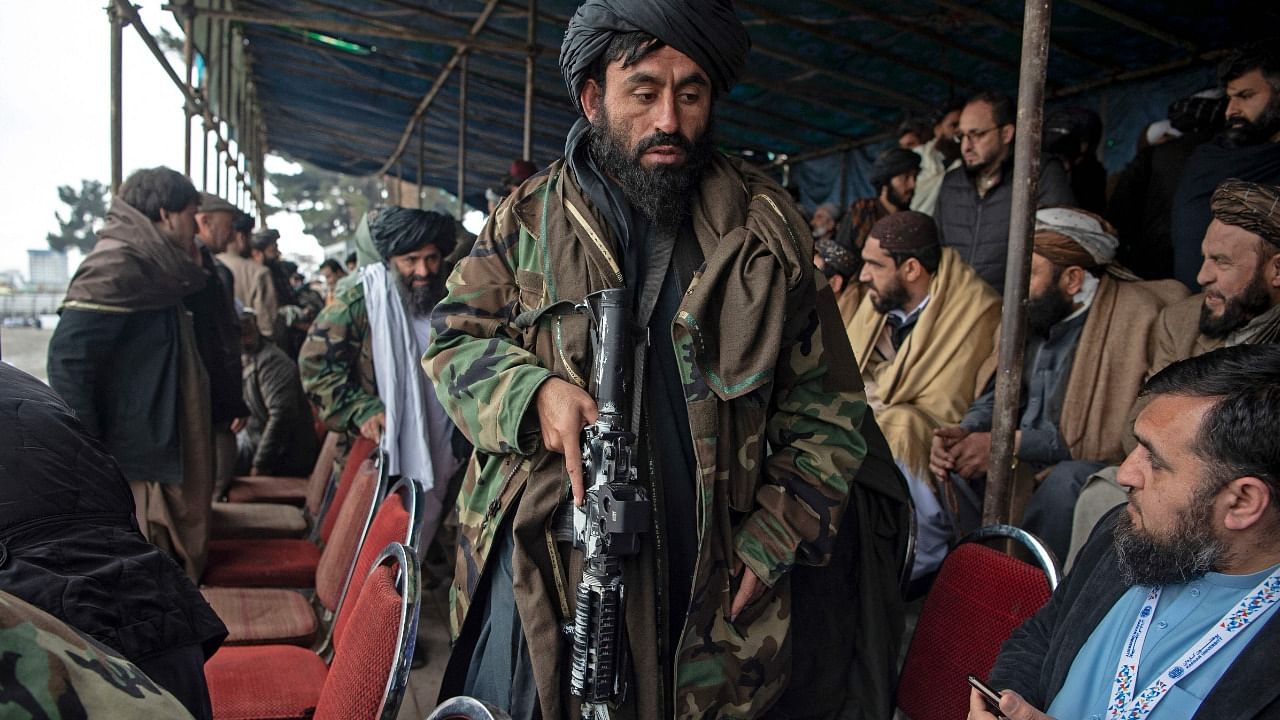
x=25 y=349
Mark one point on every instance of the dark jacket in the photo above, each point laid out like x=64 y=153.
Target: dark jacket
x=280 y=424
x=1036 y=660
x=1141 y=207
x=848 y=616
x=1210 y=164
x=217 y=329
x=978 y=228
x=69 y=542
x=115 y=356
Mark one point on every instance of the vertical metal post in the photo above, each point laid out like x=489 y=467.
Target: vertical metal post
x=188 y=59
x=224 y=70
x=207 y=98
x=1013 y=325
x=530 y=65
x=462 y=134
x=844 y=181
x=422 y=161
x=117 y=95
x=400 y=181
x=215 y=104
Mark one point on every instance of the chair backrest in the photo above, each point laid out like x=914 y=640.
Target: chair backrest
x=366 y=490
x=979 y=598
x=398 y=520
x=322 y=474
x=361 y=449
x=370 y=669
x=466 y=708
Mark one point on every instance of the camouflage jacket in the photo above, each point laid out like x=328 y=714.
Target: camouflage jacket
x=51 y=671
x=336 y=363
x=784 y=380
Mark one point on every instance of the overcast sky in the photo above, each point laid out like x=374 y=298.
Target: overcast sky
x=55 y=115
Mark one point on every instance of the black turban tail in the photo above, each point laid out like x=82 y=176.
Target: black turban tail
x=399 y=231
x=708 y=31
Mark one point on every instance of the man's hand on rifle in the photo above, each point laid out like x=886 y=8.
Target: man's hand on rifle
x=563 y=410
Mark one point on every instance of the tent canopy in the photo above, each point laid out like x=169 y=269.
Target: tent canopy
x=338 y=84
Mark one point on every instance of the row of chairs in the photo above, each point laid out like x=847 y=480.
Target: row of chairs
x=323 y=625
x=338 y=538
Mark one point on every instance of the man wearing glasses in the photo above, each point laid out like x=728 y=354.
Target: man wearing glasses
x=976 y=199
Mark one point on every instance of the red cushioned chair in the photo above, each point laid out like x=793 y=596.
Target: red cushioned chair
x=370 y=668
x=292 y=563
x=979 y=598
x=256 y=616
x=287 y=490
x=260 y=520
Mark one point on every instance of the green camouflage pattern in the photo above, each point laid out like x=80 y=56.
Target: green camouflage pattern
x=49 y=672
x=336 y=363
x=770 y=510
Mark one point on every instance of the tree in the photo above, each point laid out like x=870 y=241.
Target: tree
x=87 y=211
x=330 y=204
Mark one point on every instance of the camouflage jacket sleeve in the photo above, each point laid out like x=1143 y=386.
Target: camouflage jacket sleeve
x=481 y=372
x=330 y=363
x=818 y=404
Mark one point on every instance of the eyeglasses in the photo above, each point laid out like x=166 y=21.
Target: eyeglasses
x=974 y=136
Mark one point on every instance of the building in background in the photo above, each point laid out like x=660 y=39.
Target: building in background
x=47 y=270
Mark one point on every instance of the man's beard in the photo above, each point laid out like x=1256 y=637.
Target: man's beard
x=894 y=297
x=1237 y=311
x=895 y=199
x=1047 y=310
x=1188 y=552
x=664 y=193
x=421 y=300
x=976 y=171
x=1241 y=131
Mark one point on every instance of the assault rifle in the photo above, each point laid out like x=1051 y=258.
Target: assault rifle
x=607 y=527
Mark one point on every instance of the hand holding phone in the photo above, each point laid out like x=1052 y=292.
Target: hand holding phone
x=991 y=696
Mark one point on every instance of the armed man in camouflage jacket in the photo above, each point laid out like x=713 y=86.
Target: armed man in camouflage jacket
x=751 y=402
x=360 y=363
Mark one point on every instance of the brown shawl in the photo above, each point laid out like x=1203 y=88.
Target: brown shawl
x=937 y=370
x=1109 y=368
x=133 y=267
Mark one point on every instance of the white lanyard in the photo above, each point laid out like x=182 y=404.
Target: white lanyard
x=1124 y=705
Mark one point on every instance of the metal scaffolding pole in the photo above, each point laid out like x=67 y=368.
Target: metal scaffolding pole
x=400 y=182
x=530 y=65
x=205 y=116
x=201 y=104
x=462 y=133
x=117 y=94
x=188 y=59
x=215 y=102
x=1013 y=325
x=422 y=158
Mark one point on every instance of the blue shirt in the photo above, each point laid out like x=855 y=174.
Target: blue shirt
x=1185 y=613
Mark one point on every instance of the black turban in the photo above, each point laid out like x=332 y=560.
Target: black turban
x=400 y=231
x=708 y=31
x=892 y=163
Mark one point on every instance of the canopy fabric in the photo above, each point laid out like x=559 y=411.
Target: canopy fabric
x=338 y=82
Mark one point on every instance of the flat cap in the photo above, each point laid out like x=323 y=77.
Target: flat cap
x=212 y=203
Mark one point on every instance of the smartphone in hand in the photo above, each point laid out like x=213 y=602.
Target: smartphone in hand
x=991 y=696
